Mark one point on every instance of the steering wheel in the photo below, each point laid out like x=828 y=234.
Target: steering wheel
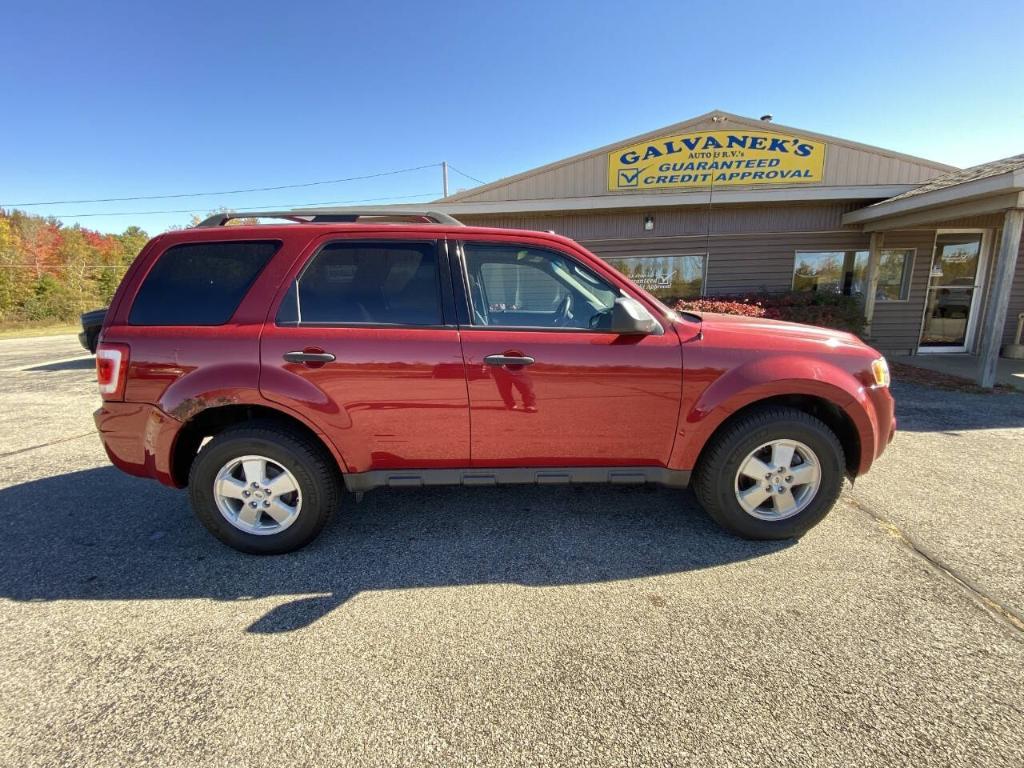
x=563 y=312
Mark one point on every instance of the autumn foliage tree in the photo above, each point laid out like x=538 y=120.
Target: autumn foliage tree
x=52 y=272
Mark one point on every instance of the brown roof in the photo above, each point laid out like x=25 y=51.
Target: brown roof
x=974 y=173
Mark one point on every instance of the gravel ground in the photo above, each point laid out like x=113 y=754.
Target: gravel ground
x=475 y=627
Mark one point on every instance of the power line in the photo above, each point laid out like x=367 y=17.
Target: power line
x=463 y=173
x=283 y=206
x=225 y=192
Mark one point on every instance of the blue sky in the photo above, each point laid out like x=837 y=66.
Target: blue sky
x=120 y=99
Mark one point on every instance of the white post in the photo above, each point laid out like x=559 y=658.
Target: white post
x=871 y=279
x=444 y=177
x=999 y=297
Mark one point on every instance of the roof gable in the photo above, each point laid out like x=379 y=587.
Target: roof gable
x=585 y=175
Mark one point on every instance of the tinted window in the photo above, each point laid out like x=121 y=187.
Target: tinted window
x=199 y=283
x=385 y=283
x=514 y=286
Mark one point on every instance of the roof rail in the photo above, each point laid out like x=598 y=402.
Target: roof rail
x=332 y=215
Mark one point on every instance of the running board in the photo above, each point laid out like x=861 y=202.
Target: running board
x=417 y=478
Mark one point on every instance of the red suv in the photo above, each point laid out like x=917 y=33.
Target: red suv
x=270 y=366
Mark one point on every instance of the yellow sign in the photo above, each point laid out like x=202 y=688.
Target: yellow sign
x=716 y=158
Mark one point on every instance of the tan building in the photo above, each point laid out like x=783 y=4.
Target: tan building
x=723 y=204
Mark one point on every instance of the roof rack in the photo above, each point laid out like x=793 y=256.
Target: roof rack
x=333 y=216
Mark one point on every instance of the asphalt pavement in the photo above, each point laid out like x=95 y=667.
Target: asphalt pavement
x=588 y=626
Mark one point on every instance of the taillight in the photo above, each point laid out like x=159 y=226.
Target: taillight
x=112 y=370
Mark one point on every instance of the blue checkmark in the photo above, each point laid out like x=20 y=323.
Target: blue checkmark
x=629 y=178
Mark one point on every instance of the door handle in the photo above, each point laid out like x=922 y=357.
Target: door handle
x=508 y=360
x=309 y=357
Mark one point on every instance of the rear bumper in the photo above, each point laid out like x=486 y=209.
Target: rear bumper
x=139 y=439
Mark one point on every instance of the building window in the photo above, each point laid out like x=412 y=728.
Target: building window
x=667 y=277
x=845 y=272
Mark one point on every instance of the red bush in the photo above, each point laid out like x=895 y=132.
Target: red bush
x=724 y=307
x=843 y=313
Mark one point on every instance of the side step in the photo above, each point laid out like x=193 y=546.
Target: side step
x=417 y=478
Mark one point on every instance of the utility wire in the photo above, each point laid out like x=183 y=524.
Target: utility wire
x=463 y=173
x=225 y=192
x=281 y=206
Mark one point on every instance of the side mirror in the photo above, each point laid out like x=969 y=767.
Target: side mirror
x=631 y=318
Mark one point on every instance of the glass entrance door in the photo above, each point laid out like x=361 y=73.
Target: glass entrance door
x=954 y=290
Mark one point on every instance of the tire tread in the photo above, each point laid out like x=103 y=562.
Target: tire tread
x=314 y=456
x=718 y=452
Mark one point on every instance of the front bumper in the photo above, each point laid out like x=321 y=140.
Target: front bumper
x=139 y=439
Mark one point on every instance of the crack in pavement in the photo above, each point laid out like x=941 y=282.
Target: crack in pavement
x=1002 y=613
x=46 y=445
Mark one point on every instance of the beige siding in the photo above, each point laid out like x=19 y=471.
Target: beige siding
x=896 y=327
x=674 y=222
x=740 y=263
x=1016 y=300
x=586 y=175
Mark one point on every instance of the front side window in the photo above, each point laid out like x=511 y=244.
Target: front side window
x=200 y=283
x=523 y=287
x=845 y=273
x=392 y=283
x=667 y=277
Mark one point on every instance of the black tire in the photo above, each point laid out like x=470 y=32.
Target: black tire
x=715 y=482
x=313 y=468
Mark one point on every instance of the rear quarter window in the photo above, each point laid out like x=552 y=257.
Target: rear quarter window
x=200 y=283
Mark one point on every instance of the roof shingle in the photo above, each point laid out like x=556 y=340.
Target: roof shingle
x=974 y=173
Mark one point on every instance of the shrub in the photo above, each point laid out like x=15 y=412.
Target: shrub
x=51 y=299
x=722 y=306
x=829 y=310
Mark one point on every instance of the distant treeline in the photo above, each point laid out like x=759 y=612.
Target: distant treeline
x=52 y=272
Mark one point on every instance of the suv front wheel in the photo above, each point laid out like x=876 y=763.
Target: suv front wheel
x=772 y=474
x=263 y=488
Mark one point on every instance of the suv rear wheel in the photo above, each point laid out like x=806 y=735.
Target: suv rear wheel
x=263 y=488
x=773 y=474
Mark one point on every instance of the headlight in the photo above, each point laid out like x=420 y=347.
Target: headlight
x=880 y=370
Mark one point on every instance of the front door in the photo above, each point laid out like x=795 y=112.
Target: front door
x=547 y=385
x=954 y=292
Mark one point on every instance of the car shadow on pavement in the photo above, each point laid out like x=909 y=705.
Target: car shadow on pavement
x=98 y=534
x=78 y=364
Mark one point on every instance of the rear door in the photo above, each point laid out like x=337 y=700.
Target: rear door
x=362 y=340
x=548 y=384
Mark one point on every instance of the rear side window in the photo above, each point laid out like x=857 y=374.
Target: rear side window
x=200 y=283
x=393 y=283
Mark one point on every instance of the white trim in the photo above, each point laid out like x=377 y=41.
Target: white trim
x=980 y=278
x=962 y=192
x=714 y=235
x=622 y=201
